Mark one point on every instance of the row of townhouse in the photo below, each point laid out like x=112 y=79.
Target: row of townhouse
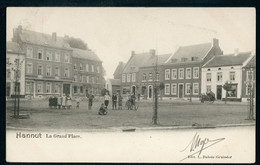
x=182 y=72
x=52 y=67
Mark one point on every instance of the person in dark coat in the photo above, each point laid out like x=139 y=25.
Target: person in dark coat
x=102 y=110
x=55 y=102
x=90 y=101
x=120 y=100
x=114 y=100
x=50 y=102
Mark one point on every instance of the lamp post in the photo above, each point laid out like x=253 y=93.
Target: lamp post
x=155 y=114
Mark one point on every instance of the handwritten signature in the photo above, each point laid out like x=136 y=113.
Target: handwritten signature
x=198 y=144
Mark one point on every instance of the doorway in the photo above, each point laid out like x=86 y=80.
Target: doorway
x=133 y=89
x=219 y=92
x=66 y=89
x=180 y=90
x=150 y=91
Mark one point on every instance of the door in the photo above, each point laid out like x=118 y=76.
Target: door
x=180 y=91
x=66 y=89
x=150 y=91
x=219 y=92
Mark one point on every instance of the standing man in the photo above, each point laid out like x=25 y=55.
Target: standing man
x=114 y=100
x=106 y=98
x=90 y=100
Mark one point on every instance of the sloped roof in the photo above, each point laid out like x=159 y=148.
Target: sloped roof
x=152 y=61
x=228 y=60
x=42 y=39
x=85 y=54
x=198 y=50
x=115 y=81
x=251 y=63
x=136 y=61
x=13 y=47
x=119 y=68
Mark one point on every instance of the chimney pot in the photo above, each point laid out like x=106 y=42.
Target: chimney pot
x=54 y=36
x=152 y=51
x=236 y=51
x=215 y=42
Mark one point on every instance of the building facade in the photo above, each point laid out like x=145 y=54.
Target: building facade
x=182 y=71
x=221 y=69
x=15 y=70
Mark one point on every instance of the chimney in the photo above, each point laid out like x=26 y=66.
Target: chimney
x=132 y=53
x=215 y=42
x=20 y=28
x=236 y=52
x=120 y=63
x=54 y=36
x=152 y=51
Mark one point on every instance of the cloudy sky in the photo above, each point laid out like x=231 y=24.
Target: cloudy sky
x=114 y=32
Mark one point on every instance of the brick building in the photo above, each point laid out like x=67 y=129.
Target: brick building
x=182 y=71
x=87 y=73
x=221 y=69
x=14 y=59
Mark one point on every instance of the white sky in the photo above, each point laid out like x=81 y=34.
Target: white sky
x=114 y=32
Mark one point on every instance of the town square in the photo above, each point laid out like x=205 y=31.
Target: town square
x=131 y=70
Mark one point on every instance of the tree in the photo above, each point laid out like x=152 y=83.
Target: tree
x=161 y=87
x=227 y=87
x=76 y=43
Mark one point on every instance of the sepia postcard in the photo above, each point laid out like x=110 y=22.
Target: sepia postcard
x=130 y=85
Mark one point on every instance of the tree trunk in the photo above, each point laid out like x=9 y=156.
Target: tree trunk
x=226 y=98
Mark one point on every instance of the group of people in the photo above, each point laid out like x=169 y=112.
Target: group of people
x=59 y=102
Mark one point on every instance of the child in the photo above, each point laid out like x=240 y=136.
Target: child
x=102 y=110
x=78 y=101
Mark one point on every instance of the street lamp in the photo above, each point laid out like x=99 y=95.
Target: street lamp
x=156 y=81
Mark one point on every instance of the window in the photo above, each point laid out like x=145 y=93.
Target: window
x=208 y=77
x=167 y=89
x=195 y=88
x=66 y=72
x=249 y=75
x=167 y=74
x=40 y=70
x=57 y=71
x=188 y=89
x=57 y=88
x=97 y=79
x=80 y=67
x=194 y=58
x=87 y=79
x=196 y=72
x=188 y=73
x=144 y=76
x=174 y=60
x=87 y=68
x=174 y=74
x=181 y=73
x=98 y=71
x=128 y=77
x=48 y=88
x=75 y=89
x=75 y=66
x=232 y=76
x=80 y=78
x=123 y=77
x=81 y=89
x=40 y=54
x=219 y=76
x=66 y=58
x=93 y=80
x=57 y=57
x=75 y=78
x=208 y=88
x=8 y=74
x=174 y=89
x=48 y=56
x=39 y=88
x=28 y=87
x=29 y=68
x=233 y=91
x=29 y=52
x=184 y=59
x=92 y=68
x=133 y=77
x=48 y=71
x=150 y=76
x=157 y=76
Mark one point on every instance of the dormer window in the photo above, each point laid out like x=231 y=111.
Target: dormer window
x=194 y=58
x=208 y=69
x=173 y=60
x=184 y=59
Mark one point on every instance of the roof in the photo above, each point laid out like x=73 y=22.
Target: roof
x=152 y=61
x=115 y=81
x=42 y=39
x=198 y=50
x=228 y=60
x=251 y=63
x=119 y=68
x=13 y=47
x=136 y=61
x=85 y=54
